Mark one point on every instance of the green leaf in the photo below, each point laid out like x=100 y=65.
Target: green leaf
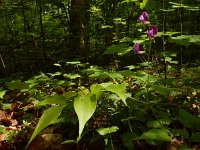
x=195 y=137
x=127 y=139
x=155 y=134
x=56 y=99
x=97 y=90
x=48 y=117
x=84 y=105
x=104 y=131
x=17 y=84
x=189 y=120
x=69 y=141
x=129 y=1
x=69 y=94
x=2 y=93
x=158 y=123
x=6 y=105
x=119 y=49
x=162 y=90
x=120 y=90
x=72 y=76
x=143 y=4
x=186 y=40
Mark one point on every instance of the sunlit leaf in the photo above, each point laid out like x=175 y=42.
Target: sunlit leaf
x=2 y=93
x=71 y=76
x=97 y=90
x=48 y=117
x=143 y=4
x=104 y=131
x=84 y=105
x=56 y=99
x=120 y=90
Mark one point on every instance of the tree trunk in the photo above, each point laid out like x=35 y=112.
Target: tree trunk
x=79 y=18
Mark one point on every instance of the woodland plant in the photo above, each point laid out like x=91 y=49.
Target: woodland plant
x=137 y=102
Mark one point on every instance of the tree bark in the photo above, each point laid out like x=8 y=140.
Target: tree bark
x=79 y=18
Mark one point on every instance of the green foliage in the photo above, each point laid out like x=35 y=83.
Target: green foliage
x=2 y=93
x=84 y=105
x=120 y=49
x=85 y=70
x=188 y=120
x=48 y=117
x=57 y=99
x=120 y=90
x=104 y=131
x=186 y=40
x=154 y=135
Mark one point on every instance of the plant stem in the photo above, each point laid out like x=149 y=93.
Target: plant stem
x=140 y=101
x=147 y=86
x=129 y=122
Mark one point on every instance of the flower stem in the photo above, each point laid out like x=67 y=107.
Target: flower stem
x=147 y=86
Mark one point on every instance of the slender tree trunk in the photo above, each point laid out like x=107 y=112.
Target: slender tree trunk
x=42 y=32
x=79 y=18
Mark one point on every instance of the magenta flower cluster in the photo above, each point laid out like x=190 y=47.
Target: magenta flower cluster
x=151 y=32
x=143 y=17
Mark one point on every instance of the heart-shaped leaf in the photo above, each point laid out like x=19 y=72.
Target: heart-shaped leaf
x=84 y=105
x=120 y=90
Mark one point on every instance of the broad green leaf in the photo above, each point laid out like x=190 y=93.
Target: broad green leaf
x=120 y=90
x=71 y=76
x=115 y=75
x=143 y=4
x=106 y=84
x=186 y=118
x=92 y=69
x=195 y=137
x=162 y=90
x=141 y=76
x=84 y=105
x=159 y=123
x=189 y=120
x=104 y=131
x=69 y=95
x=6 y=105
x=97 y=90
x=186 y=40
x=166 y=33
x=17 y=84
x=155 y=134
x=48 y=117
x=2 y=93
x=119 y=49
x=56 y=99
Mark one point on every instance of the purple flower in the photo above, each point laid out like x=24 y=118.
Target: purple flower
x=152 y=31
x=138 y=48
x=143 y=17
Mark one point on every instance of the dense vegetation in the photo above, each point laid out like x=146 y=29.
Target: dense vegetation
x=100 y=74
